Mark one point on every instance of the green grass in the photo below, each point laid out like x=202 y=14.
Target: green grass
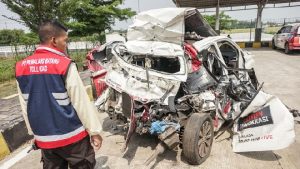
x=7 y=68
x=79 y=58
x=268 y=30
x=7 y=76
x=7 y=71
x=7 y=65
x=271 y=30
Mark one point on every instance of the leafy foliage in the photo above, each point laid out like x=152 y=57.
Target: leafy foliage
x=16 y=37
x=84 y=17
x=94 y=16
x=34 y=12
x=225 y=20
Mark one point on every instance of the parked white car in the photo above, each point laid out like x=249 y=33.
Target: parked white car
x=287 y=38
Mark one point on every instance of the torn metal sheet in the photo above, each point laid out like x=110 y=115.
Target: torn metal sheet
x=168 y=25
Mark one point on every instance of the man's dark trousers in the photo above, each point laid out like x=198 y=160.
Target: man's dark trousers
x=79 y=155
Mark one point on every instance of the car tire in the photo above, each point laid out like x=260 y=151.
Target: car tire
x=197 y=138
x=273 y=45
x=286 y=49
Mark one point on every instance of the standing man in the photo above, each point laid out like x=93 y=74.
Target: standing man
x=55 y=105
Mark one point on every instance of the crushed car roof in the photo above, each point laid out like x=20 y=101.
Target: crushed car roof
x=168 y=25
x=155 y=48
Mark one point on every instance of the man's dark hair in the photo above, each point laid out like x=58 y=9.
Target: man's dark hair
x=49 y=29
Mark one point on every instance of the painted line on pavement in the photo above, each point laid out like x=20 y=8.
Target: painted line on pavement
x=11 y=96
x=15 y=159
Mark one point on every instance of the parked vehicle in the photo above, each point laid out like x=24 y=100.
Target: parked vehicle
x=287 y=38
x=175 y=79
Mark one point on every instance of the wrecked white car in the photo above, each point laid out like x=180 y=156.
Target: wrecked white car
x=175 y=79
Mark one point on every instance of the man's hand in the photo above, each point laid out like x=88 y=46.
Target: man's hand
x=96 y=141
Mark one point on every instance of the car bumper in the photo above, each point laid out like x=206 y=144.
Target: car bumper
x=294 y=47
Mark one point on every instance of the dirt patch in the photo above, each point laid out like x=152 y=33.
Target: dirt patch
x=8 y=88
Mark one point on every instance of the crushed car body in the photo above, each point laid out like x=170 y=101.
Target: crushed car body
x=175 y=79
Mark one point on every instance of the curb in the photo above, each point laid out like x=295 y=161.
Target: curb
x=12 y=138
x=4 y=150
x=254 y=44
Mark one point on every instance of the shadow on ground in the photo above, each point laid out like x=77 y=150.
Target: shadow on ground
x=135 y=142
x=262 y=155
x=102 y=163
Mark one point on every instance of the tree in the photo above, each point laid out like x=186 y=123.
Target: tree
x=10 y=37
x=17 y=37
x=34 y=12
x=91 y=17
x=84 y=17
x=225 y=21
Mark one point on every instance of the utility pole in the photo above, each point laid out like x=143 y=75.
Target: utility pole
x=217 y=26
x=250 y=30
x=258 y=29
x=139 y=6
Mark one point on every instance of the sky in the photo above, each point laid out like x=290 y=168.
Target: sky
x=269 y=14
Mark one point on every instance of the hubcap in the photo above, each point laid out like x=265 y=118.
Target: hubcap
x=205 y=137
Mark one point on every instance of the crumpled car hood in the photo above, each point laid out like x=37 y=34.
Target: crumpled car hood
x=168 y=25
